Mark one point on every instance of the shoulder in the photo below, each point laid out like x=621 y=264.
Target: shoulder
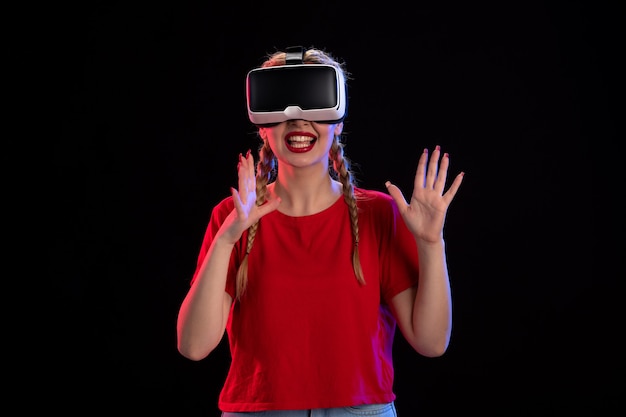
x=367 y=194
x=372 y=198
x=223 y=208
x=376 y=205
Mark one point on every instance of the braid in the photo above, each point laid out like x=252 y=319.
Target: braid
x=341 y=165
x=265 y=169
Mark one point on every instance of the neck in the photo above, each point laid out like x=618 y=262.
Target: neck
x=303 y=196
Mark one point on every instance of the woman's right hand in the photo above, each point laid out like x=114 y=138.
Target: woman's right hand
x=246 y=211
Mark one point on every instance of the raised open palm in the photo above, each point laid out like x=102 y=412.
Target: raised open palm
x=425 y=213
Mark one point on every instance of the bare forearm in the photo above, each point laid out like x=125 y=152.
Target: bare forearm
x=432 y=312
x=204 y=311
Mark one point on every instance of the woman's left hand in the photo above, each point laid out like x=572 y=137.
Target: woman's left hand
x=425 y=214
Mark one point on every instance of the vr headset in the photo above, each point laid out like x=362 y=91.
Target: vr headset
x=313 y=92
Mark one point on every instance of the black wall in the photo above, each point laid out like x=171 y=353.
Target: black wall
x=149 y=117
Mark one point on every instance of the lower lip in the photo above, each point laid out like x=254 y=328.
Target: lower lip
x=300 y=150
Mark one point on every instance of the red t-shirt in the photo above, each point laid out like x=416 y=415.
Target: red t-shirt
x=306 y=334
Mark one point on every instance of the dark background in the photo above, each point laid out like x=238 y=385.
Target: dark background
x=149 y=117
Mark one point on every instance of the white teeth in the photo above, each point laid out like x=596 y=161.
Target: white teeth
x=300 y=141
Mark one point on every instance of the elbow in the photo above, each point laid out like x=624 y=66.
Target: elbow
x=432 y=351
x=196 y=342
x=431 y=348
x=195 y=352
x=194 y=356
x=195 y=348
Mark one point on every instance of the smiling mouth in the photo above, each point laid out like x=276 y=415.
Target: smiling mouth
x=299 y=144
x=300 y=141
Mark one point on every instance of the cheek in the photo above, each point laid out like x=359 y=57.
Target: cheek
x=273 y=139
x=329 y=130
x=325 y=130
x=268 y=135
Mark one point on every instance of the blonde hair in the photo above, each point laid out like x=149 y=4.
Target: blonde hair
x=340 y=170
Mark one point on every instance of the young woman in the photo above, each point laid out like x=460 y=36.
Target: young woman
x=310 y=275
